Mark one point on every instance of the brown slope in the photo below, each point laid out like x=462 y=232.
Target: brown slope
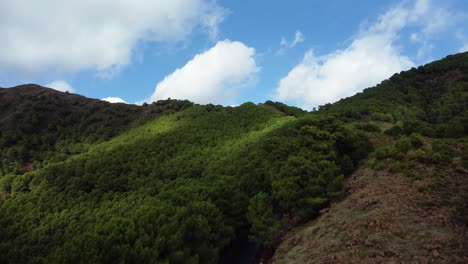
x=20 y=99
x=390 y=218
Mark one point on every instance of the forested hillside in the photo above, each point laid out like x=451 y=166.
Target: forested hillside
x=175 y=182
x=179 y=188
x=408 y=202
x=40 y=125
x=431 y=100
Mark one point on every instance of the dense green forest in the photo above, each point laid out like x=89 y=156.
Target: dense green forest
x=175 y=182
x=431 y=100
x=179 y=188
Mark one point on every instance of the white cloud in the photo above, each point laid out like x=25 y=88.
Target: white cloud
x=61 y=86
x=461 y=37
x=101 y=35
x=114 y=100
x=213 y=76
x=439 y=20
x=423 y=51
x=430 y=20
x=285 y=44
x=414 y=37
x=464 y=48
x=372 y=56
x=421 y=7
x=298 y=38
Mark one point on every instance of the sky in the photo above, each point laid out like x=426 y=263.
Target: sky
x=304 y=53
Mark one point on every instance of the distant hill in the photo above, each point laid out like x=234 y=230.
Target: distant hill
x=380 y=176
x=41 y=124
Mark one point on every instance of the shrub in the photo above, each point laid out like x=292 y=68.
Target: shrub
x=395 y=153
x=403 y=145
x=395 y=167
x=382 y=117
x=416 y=140
x=381 y=153
x=436 y=157
x=369 y=127
x=19 y=185
x=444 y=149
x=396 y=130
x=5 y=183
x=455 y=130
x=419 y=155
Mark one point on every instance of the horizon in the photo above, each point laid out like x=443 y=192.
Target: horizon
x=221 y=52
x=119 y=100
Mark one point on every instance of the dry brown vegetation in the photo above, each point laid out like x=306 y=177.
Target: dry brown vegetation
x=416 y=216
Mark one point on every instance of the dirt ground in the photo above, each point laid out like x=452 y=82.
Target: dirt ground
x=387 y=218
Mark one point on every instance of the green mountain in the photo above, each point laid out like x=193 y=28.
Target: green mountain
x=173 y=182
x=408 y=201
x=431 y=100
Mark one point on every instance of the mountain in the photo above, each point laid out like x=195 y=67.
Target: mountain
x=39 y=124
x=408 y=202
x=380 y=176
x=431 y=100
x=178 y=188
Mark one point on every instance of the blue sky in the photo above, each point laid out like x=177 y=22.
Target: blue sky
x=304 y=53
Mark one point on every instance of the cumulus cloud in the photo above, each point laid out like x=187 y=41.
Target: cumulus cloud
x=214 y=76
x=372 y=56
x=114 y=100
x=61 y=86
x=100 y=35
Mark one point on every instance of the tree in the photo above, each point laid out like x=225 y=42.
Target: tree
x=286 y=192
x=264 y=226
